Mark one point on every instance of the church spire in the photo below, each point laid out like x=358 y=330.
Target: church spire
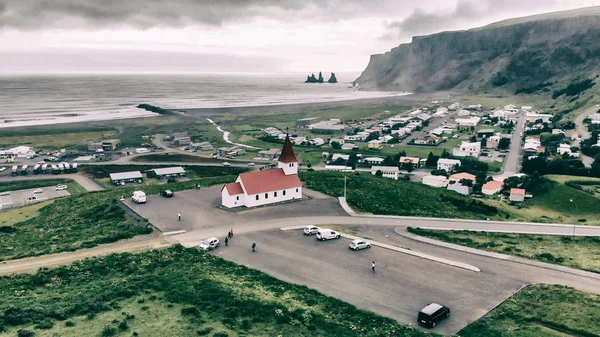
x=287 y=153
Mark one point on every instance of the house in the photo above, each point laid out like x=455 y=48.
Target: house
x=435 y=181
x=126 y=177
x=468 y=149
x=373 y=160
x=179 y=141
x=339 y=155
x=354 y=137
x=464 y=113
x=492 y=142
x=454 y=106
x=166 y=172
x=375 y=144
x=517 y=194
x=203 y=146
x=19 y=151
x=595 y=118
x=532 y=117
x=441 y=111
x=412 y=160
x=391 y=172
x=230 y=151
x=265 y=187
x=526 y=107
x=317 y=141
x=349 y=146
x=459 y=188
x=566 y=148
x=448 y=165
x=105 y=145
x=460 y=176
x=476 y=107
x=269 y=154
x=485 y=132
x=471 y=121
x=491 y=187
x=532 y=144
x=305 y=122
x=336 y=140
x=338 y=168
x=386 y=138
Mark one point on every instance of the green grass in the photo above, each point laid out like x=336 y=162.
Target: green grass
x=104 y=171
x=177 y=292
x=541 y=310
x=564 y=178
x=16 y=215
x=27 y=184
x=186 y=158
x=574 y=252
x=494 y=166
x=378 y=195
x=55 y=141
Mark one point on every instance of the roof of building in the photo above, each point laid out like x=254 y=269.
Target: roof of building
x=519 y=191
x=373 y=159
x=126 y=175
x=287 y=153
x=234 y=188
x=268 y=180
x=449 y=161
x=492 y=185
x=463 y=175
x=486 y=131
x=413 y=160
x=169 y=170
x=385 y=168
x=308 y=119
x=432 y=177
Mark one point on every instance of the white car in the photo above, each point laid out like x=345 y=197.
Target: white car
x=327 y=234
x=2 y=169
x=311 y=230
x=2 y=194
x=38 y=190
x=209 y=244
x=226 y=164
x=250 y=164
x=61 y=187
x=359 y=244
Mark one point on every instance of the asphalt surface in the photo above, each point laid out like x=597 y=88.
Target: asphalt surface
x=400 y=287
x=582 y=129
x=26 y=197
x=82 y=180
x=511 y=162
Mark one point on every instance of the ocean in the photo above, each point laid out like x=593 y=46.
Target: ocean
x=43 y=100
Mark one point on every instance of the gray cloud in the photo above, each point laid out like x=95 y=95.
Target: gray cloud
x=31 y=14
x=464 y=15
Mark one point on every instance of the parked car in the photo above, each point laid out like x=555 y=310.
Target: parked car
x=167 y=193
x=359 y=244
x=327 y=234
x=61 y=187
x=250 y=164
x=226 y=164
x=2 y=169
x=139 y=197
x=2 y=194
x=311 y=230
x=432 y=314
x=209 y=244
x=38 y=190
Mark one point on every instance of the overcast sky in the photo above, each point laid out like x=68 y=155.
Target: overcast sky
x=231 y=35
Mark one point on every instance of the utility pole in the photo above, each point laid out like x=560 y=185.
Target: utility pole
x=571 y=200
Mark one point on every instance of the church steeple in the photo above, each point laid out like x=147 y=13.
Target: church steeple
x=287 y=160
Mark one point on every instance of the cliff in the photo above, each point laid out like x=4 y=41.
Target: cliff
x=526 y=54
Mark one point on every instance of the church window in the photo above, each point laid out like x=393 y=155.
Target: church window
x=257 y=197
x=283 y=192
x=237 y=198
x=266 y=195
x=275 y=194
x=296 y=190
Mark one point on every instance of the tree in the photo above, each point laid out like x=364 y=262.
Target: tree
x=336 y=145
x=445 y=154
x=389 y=161
x=409 y=167
x=483 y=142
x=504 y=143
x=473 y=139
x=432 y=160
x=373 y=136
x=439 y=173
x=466 y=182
x=309 y=165
x=339 y=161
x=352 y=160
x=379 y=173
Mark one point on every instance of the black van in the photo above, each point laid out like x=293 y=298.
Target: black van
x=432 y=314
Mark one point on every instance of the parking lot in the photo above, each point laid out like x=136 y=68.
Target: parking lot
x=25 y=197
x=400 y=287
x=199 y=210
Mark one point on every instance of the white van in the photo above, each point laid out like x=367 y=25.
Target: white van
x=139 y=197
x=327 y=234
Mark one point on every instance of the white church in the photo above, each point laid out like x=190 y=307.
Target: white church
x=268 y=186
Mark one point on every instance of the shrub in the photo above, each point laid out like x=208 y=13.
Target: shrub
x=45 y=324
x=25 y=333
x=69 y=323
x=204 y=331
x=220 y=334
x=123 y=325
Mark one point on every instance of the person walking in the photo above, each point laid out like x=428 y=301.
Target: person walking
x=226 y=242
x=179 y=216
x=373 y=266
x=254 y=246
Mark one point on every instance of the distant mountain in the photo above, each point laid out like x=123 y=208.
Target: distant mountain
x=530 y=54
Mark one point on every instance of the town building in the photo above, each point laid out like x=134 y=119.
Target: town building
x=410 y=160
x=231 y=151
x=104 y=145
x=391 y=172
x=373 y=160
x=269 y=154
x=337 y=140
x=203 y=146
x=180 y=141
x=166 y=172
x=435 y=181
x=485 y=132
x=459 y=188
x=468 y=149
x=126 y=177
x=266 y=187
x=338 y=168
x=517 y=195
x=492 y=187
x=349 y=146
x=460 y=176
x=305 y=122
x=375 y=144
x=471 y=121
x=492 y=142
x=448 y=165
x=335 y=156
x=317 y=141
x=19 y=151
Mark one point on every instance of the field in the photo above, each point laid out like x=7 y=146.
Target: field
x=541 y=310
x=21 y=214
x=176 y=291
x=54 y=141
x=27 y=184
x=574 y=252
x=378 y=195
x=104 y=171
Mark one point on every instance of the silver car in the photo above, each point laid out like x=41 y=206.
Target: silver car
x=359 y=244
x=311 y=230
x=209 y=244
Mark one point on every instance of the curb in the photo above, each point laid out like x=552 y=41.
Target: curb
x=502 y=231
x=499 y=256
x=402 y=250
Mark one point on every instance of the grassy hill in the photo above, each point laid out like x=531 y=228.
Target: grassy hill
x=378 y=195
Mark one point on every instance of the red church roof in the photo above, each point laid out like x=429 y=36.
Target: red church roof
x=268 y=181
x=234 y=188
x=287 y=153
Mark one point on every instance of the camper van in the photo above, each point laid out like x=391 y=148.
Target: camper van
x=24 y=169
x=139 y=197
x=15 y=170
x=44 y=168
x=36 y=169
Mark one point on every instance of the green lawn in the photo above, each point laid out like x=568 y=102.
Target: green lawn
x=574 y=252
x=541 y=310
x=16 y=215
x=176 y=292
x=27 y=184
x=378 y=195
x=55 y=141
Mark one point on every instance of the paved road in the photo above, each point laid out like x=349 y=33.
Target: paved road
x=511 y=162
x=82 y=180
x=582 y=129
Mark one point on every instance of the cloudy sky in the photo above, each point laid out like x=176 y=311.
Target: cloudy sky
x=50 y=36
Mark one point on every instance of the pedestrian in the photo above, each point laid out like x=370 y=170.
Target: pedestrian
x=179 y=216
x=254 y=246
x=226 y=242
x=373 y=266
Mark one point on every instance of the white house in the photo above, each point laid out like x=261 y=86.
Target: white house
x=441 y=111
x=349 y=146
x=595 y=118
x=338 y=168
x=454 y=106
x=339 y=155
x=19 y=151
x=460 y=189
x=517 y=194
x=464 y=113
x=373 y=160
x=265 y=187
x=435 y=181
x=447 y=164
x=317 y=141
x=354 y=137
x=468 y=149
x=471 y=121
x=338 y=140
x=391 y=172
